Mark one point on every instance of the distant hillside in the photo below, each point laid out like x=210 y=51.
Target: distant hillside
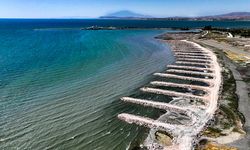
x=228 y=16
x=231 y=16
x=235 y=14
x=132 y=15
x=125 y=14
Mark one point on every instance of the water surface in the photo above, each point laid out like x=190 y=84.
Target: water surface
x=60 y=89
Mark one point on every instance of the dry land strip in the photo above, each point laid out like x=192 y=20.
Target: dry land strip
x=205 y=112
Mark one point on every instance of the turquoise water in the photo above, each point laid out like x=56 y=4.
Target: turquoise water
x=60 y=89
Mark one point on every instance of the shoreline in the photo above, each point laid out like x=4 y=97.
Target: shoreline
x=243 y=103
x=233 y=138
x=237 y=140
x=242 y=139
x=200 y=112
x=93 y=28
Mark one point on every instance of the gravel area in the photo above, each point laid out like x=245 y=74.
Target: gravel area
x=244 y=101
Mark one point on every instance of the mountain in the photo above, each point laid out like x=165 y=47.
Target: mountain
x=132 y=15
x=235 y=14
x=231 y=16
x=125 y=14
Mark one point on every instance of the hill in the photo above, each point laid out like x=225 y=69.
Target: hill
x=125 y=14
x=231 y=16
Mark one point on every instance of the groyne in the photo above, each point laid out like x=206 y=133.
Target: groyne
x=192 y=61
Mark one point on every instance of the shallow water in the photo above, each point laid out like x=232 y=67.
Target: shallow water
x=60 y=89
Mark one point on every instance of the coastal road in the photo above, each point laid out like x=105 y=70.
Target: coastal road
x=225 y=46
x=244 y=106
x=241 y=91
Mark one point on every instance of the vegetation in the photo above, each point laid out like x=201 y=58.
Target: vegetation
x=241 y=32
x=213 y=146
x=164 y=138
x=238 y=58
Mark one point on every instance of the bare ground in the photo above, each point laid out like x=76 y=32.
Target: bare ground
x=242 y=92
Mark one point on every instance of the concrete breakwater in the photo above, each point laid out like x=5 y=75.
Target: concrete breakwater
x=198 y=102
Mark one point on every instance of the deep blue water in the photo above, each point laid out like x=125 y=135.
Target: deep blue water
x=79 y=23
x=60 y=89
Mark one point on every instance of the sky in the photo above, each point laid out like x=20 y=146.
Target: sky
x=96 y=8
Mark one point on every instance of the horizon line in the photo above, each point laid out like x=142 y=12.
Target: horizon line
x=99 y=17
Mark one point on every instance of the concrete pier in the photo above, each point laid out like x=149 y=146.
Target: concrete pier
x=190 y=72
x=191 y=54
x=207 y=81
x=150 y=123
x=190 y=68
x=188 y=86
x=173 y=93
x=159 y=105
x=193 y=63
x=192 y=51
x=191 y=58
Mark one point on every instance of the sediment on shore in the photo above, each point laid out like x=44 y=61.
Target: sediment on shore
x=194 y=104
x=234 y=94
x=228 y=126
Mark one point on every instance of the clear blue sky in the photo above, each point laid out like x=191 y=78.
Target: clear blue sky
x=95 y=8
